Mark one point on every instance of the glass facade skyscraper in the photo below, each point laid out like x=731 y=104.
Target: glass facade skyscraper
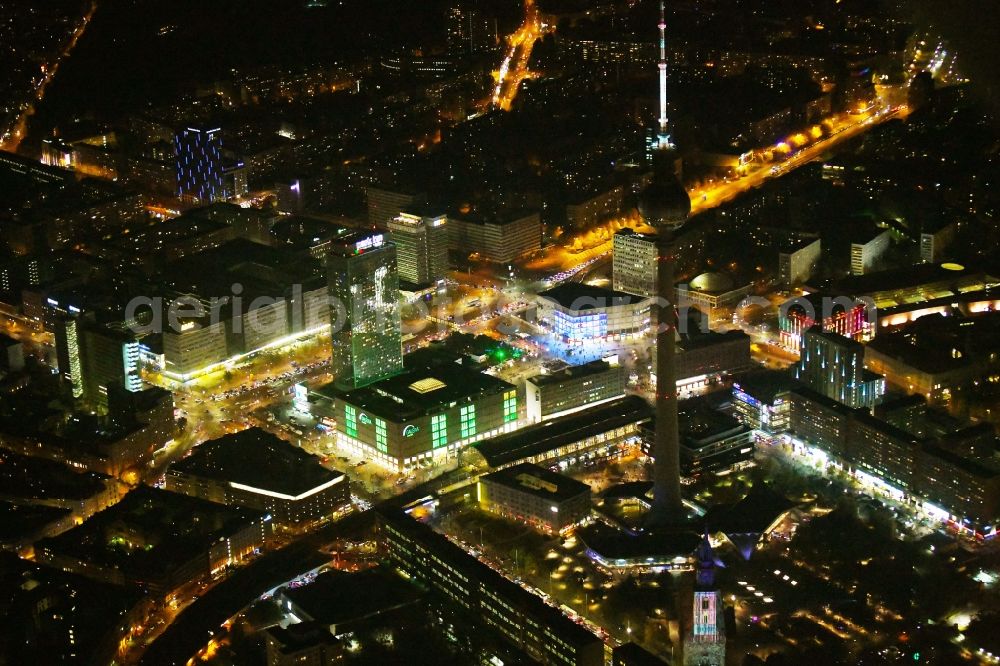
x=364 y=310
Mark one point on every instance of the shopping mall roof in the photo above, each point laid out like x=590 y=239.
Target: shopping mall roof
x=422 y=390
x=555 y=433
x=910 y=277
x=260 y=270
x=579 y=297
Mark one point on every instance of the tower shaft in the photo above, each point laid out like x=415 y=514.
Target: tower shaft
x=667 y=506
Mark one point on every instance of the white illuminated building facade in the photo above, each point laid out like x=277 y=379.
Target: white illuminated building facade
x=633 y=263
x=194 y=346
x=421 y=247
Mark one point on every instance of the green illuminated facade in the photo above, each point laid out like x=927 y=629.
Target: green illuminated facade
x=422 y=416
x=364 y=310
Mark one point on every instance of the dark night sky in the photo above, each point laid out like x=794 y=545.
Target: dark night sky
x=122 y=59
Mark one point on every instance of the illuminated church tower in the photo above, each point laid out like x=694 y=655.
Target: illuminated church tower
x=705 y=640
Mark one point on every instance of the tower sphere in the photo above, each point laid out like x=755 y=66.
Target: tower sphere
x=664 y=203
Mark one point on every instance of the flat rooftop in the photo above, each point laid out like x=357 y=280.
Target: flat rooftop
x=262 y=270
x=903 y=278
x=651 y=237
x=538 y=481
x=149 y=532
x=611 y=544
x=790 y=245
x=497 y=217
x=155 y=237
x=573 y=372
x=924 y=358
x=701 y=340
x=764 y=385
x=303 y=231
x=259 y=459
x=580 y=297
x=28 y=478
x=753 y=514
x=555 y=433
x=700 y=425
x=336 y=597
x=421 y=390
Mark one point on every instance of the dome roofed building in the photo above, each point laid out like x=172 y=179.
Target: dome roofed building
x=712 y=283
x=713 y=293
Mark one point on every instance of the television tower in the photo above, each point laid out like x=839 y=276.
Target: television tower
x=662 y=137
x=665 y=206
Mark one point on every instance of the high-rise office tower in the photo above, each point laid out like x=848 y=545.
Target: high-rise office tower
x=69 y=354
x=95 y=359
x=385 y=203
x=364 y=309
x=421 y=247
x=705 y=640
x=633 y=263
x=200 y=167
x=665 y=205
x=469 y=29
x=834 y=366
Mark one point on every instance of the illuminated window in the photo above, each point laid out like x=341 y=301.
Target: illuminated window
x=439 y=430
x=468 y=417
x=510 y=406
x=350 y=421
x=381 y=439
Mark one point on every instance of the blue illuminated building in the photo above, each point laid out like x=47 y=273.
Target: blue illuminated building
x=834 y=366
x=578 y=313
x=761 y=401
x=585 y=327
x=199 y=164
